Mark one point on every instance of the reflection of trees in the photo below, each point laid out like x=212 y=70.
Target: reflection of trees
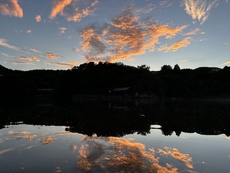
x=106 y=121
x=204 y=117
x=125 y=117
x=167 y=132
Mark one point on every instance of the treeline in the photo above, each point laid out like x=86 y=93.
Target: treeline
x=102 y=78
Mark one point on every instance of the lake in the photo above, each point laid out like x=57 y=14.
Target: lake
x=115 y=136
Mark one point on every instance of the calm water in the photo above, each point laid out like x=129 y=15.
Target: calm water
x=122 y=136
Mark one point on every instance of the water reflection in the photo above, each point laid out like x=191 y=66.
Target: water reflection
x=185 y=158
x=109 y=118
x=115 y=136
x=86 y=154
x=113 y=154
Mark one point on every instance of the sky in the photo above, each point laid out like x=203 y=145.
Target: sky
x=61 y=34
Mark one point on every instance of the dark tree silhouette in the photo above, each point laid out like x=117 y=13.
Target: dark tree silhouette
x=176 y=67
x=166 y=68
x=97 y=79
x=143 y=67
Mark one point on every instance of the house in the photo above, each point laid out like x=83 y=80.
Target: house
x=121 y=92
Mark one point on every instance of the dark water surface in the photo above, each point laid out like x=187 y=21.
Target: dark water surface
x=115 y=136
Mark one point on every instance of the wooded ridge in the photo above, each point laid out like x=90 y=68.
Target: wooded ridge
x=105 y=79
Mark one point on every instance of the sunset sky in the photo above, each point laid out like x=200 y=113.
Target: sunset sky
x=59 y=34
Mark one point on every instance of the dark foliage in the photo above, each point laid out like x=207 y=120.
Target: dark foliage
x=122 y=117
x=98 y=79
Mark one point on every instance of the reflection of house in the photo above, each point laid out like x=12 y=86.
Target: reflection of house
x=45 y=93
x=121 y=91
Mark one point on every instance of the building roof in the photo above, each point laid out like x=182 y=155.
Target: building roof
x=121 y=89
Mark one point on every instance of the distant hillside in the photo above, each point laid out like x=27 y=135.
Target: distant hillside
x=4 y=70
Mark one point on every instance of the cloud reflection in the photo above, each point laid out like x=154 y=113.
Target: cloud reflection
x=98 y=154
x=47 y=140
x=22 y=135
x=185 y=158
x=6 y=150
x=74 y=148
x=58 y=169
x=27 y=137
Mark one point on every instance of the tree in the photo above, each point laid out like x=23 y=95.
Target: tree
x=143 y=67
x=166 y=68
x=176 y=67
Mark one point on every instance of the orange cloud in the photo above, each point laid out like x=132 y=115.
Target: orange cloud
x=199 y=9
x=124 y=37
x=157 y=31
x=63 y=64
x=175 y=46
x=38 y=18
x=21 y=63
x=11 y=8
x=77 y=14
x=32 y=58
x=193 y=32
x=52 y=55
x=58 y=7
x=72 y=10
x=92 y=44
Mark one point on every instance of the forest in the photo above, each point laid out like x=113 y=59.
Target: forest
x=103 y=79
